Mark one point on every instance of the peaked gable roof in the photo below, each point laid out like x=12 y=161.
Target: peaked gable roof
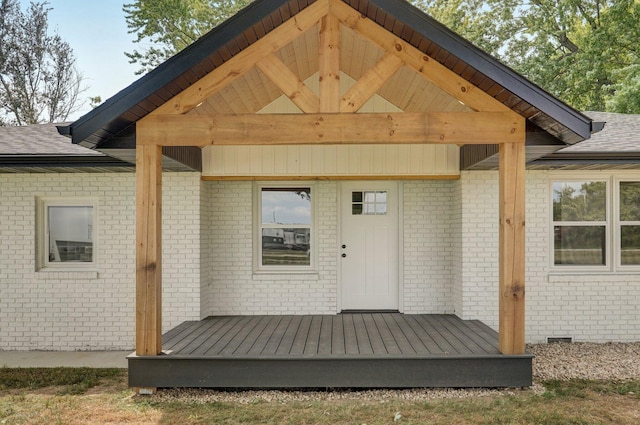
x=114 y=120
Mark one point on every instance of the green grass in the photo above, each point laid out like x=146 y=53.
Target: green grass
x=579 y=388
x=73 y=380
x=61 y=396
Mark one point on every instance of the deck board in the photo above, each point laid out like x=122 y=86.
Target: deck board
x=379 y=334
x=271 y=347
x=430 y=345
x=220 y=339
x=195 y=336
x=286 y=343
x=353 y=350
x=399 y=335
x=337 y=336
x=300 y=338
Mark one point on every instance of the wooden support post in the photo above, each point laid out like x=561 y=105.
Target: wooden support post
x=148 y=249
x=329 y=64
x=512 y=253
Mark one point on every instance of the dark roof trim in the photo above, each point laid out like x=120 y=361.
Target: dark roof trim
x=60 y=161
x=489 y=66
x=169 y=70
x=559 y=158
x=108 y=120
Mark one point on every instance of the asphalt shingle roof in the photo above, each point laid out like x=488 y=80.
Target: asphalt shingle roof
x=621 y=133
x=39 y=140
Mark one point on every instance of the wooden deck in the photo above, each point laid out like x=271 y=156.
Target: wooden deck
x=353 y=350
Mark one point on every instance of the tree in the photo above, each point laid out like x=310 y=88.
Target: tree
x=586 y=52
x=171 y=25
x=39 y=81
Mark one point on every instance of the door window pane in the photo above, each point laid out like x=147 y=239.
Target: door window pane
x=369 y=203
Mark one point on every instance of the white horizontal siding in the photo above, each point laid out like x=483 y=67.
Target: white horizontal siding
x=331 y=161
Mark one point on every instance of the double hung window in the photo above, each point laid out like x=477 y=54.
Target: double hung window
x=596 y=224
x=285 y=228
x=628 y=228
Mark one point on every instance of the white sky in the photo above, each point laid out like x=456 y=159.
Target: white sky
x=97 y=32
x=285 y=207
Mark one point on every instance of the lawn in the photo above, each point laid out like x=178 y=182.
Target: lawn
x=90 y=396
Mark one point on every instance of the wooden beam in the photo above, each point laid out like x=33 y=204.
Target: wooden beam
x=429 y=68
x=242 y=62
x=334 y=177
x=512 y=253
x=148 y=248
x=322 y=129
x=370 y=82
x=329 y=64
x=289 y=83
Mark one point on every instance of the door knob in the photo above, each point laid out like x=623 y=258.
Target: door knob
x=344 y=255
x=343 y=246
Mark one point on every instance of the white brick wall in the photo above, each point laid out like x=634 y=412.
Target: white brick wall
x=82 y=310
x=478 y=250
x=587 y=307
x=233 y=288
x=428 y=246
x=180 y=248
x=450 y=247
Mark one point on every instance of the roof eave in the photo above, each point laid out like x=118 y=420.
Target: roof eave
x=166 y=72
x=433 y=30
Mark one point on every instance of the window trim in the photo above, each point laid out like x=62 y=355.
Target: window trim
x=605 y=223
x=612 y=223
x=617 y=225
x=258 y=267
x=42 y=233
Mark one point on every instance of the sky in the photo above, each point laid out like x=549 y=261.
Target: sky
x=97 y=32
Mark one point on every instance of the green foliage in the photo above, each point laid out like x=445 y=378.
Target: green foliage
x=38 y=78
x=583 y=51
x=165 y=27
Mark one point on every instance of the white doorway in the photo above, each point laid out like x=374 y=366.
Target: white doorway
x=369 y=245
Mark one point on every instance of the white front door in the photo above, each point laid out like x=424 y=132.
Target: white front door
x=369 y=245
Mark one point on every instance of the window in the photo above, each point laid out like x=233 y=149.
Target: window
x=596 y=224
x=629 y=223
x=285 y=228
x=66 y=238
x=369 y=203
x=580 y=223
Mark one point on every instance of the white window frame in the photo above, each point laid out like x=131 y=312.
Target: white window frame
x=618 y=225
x=42 y=232
x=612 y=223
x=258 y=226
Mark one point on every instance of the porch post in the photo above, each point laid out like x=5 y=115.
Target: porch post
x=148 y=249
x=512 y=252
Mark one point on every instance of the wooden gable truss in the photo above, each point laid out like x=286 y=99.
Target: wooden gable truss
x=192 y=118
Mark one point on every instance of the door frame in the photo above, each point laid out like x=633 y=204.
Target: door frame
x=400 y=198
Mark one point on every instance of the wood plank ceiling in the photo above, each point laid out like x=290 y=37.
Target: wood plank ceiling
x=406 y=88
